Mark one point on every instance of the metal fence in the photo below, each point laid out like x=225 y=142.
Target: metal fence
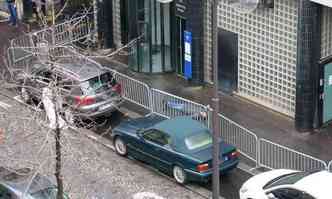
x=169 y=105
x=72 y=30
x=60 y=34
x=245 y=140
x=275 y=156
x=133 y=90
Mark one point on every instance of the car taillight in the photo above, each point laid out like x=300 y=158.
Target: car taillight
x=202 y=167
x=117 y=88
x=84 y=100
x=235 y=154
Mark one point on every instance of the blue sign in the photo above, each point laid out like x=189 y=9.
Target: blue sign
x=187 y=55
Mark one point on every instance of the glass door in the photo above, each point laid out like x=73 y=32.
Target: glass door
x=180 y=26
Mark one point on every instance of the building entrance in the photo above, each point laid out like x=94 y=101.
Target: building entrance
x=327 y=100
x=180 y=26
x=227 y=60
x=152 y=53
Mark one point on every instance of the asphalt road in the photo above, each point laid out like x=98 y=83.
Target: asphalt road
x=230 y=182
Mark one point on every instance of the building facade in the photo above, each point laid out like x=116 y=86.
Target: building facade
x=277 y=56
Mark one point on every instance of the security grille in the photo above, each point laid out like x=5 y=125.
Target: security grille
x=326 y=45
x=267 y=52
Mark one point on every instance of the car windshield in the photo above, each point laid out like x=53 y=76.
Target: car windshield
x=96 y=84
x=198 y=140
x=287 y=179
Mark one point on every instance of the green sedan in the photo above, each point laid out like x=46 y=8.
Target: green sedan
x=181 y=146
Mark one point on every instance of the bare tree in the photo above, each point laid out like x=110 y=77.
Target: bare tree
x=52 y=111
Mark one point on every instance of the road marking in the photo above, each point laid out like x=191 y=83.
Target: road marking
x=5 y=105
x=146 y=195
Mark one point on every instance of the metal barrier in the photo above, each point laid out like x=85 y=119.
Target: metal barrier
x=133 y=90
x=60 y=34
x=168 y=105
x=245 y=140
x=71 y=31
x=275 y=156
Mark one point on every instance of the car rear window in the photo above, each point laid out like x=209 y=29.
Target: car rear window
x=198 y=140
x=287 y=179
x=97 y=84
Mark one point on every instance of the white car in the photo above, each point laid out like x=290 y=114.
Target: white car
x=288 y=184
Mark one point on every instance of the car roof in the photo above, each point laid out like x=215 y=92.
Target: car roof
x=75 y=69
x=317 y=184
x=180 y=127
x=85 y=72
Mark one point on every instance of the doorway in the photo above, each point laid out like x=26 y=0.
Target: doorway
x=180 y=27
x=227 y=60
x=327 y=100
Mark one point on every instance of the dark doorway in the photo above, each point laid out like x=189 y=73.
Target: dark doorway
x=227 y=60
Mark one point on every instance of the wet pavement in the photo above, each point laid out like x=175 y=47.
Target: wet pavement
x=262 y=121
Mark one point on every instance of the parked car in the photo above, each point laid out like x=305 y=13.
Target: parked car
x=13 y=184
x=288 y=184
x=88 y=91
x=181 y=146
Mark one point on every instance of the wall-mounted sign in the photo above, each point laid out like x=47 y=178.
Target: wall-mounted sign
x=187 y=55
x=180 y=8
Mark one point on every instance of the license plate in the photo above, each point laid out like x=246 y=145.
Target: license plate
x=106 y=106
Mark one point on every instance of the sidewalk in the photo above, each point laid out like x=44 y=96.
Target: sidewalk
x=263 y=122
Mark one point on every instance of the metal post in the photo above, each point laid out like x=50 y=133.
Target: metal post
x=215 y=104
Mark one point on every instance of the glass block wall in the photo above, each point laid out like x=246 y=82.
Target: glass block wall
x=267 y=52
x=116 y=23
x=326 y=39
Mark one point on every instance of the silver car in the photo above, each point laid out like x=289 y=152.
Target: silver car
x=87 y=91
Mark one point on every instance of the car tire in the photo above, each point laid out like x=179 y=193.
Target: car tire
x=25 y=96
x=179 y=175
x=120 y=146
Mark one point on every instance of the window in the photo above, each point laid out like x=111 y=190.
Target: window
x=97 y=84
x=157 y=137
x=198 y=140
x=287 y=179
x=5 y=193
x=287 y=193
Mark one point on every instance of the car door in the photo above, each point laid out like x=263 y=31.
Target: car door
x=157 y=147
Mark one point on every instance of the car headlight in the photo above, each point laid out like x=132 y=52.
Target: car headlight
x=243 y=190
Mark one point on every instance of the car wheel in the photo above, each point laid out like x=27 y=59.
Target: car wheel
x=120 y=146
x=25 y=96
x=179 y=175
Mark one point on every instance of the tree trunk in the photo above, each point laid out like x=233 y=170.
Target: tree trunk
x=58 y=163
